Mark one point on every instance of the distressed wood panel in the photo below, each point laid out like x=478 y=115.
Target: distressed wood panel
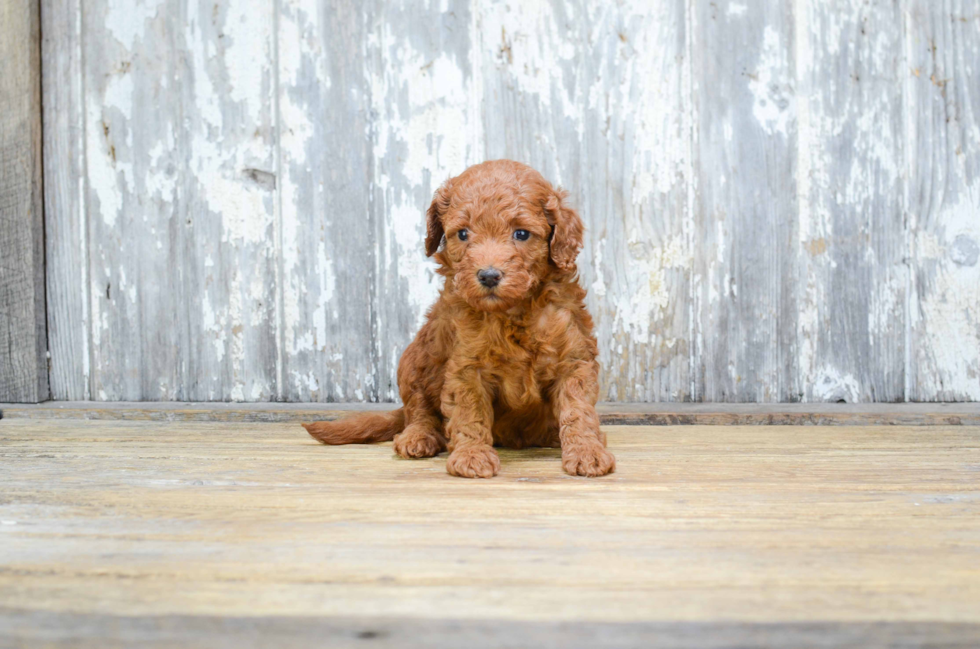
x=66 y=230
x=131 y=201
x=745 y=268
x=852 y=245
x=23 y=339
x=597 y=97
x=943 y=87
x=780 y=197
x=180 y=197
x=229 y=245
x=329 y=256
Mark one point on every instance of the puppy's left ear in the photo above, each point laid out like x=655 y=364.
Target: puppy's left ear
x=566 y=230
x=433 y=218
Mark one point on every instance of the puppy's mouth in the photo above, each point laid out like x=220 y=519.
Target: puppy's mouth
x=491 y=301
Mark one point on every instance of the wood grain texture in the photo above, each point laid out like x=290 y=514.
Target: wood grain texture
x=180 y=197
x=66 y=227
x=943 y=92
x=746 y=299
x=329 y=260
x=23 y=337
x=704 y=526
x=93 y=631
x=630 y=414
x=779 y=196
x=852 y=246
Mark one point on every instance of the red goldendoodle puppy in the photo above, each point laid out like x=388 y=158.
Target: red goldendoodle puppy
x=507 y=355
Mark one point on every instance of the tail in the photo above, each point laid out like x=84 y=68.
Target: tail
x=363 y=428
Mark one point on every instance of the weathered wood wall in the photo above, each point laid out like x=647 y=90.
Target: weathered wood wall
x=783 y=198
x=23 y=338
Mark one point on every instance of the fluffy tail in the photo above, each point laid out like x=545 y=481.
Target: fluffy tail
x=363 y=428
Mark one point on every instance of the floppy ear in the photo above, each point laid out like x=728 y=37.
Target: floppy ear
x=566 y=230
x=433 y=218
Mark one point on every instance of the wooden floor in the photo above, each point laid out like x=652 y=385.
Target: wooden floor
x=120 y=533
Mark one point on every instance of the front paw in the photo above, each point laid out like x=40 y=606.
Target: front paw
x=590 y=460
x=477 y=461
x=417 y=441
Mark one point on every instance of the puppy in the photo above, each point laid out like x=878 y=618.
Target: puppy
x=506 y=356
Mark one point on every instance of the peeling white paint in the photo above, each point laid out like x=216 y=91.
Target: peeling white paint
x=771 y=85
x=639 y=310
x=126 y=19
x=525 y=39
x=216 y=326
x=599 y=285
x=108 y=139
x=737 y=9
x=829 y=385
x=425 y=104
x=307 y=382
x=207 y=102
x=247 y=55
x=946 y=309
x=661 y=136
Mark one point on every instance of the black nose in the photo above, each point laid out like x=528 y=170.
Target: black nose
x=489 y=277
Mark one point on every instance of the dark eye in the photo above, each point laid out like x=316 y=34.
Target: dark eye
x=462 y=234
x=522 y=235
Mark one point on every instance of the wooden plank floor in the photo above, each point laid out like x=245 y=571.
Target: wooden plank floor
x=116 y=533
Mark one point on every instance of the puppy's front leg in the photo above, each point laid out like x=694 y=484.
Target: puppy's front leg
x=468 y=409
x=583 y=445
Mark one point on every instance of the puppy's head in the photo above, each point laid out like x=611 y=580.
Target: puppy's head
x=505 y=230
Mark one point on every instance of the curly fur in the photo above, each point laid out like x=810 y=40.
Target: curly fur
x=513 y=365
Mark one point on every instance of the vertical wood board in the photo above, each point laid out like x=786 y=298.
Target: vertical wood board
x=852 y=241
x=66 y=229
x=180 y=189
x=745 y=270
x=328 y=251
x=23 y=338
x=943 y=94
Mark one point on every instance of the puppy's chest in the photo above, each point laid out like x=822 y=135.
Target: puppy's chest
x=520 y=364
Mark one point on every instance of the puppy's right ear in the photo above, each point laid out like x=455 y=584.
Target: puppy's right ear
x=433 y=218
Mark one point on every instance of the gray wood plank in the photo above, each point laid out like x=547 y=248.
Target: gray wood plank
x=852 y=245
x=943 y=93
x=23 y=338
x=329 y=249
x=745 y=268
x=94 y=631
x=180 y=178
x=425 y=128
x=228 y=203
x=131 y=200
x=597 y=97
x=66 y=230
x=610 y=414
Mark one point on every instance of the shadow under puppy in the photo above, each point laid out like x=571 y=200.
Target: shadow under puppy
x=506 y=356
